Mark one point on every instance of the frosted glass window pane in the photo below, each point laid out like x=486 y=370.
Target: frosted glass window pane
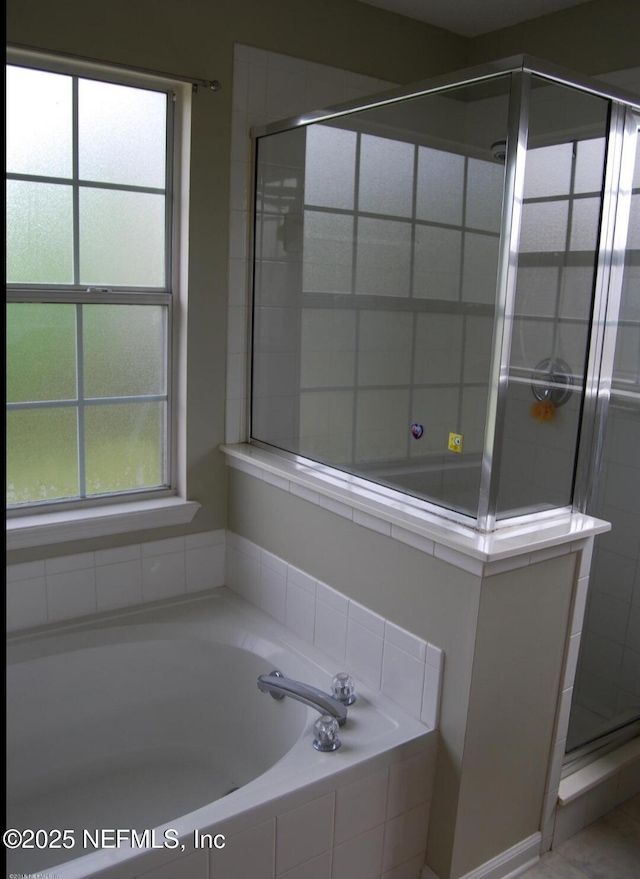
x=544 y=227
x=330 y=170
x=41 y=352
x=124 y=350
x=39 y=233
x=328 y=253
x=121 y=238
x=50 y=437
x=585 y=221
x=440 y=186
x=480 y=270
x=125 y=448
x=384 y=255
x=589 y=165
x=485 y=182
x=39 y=123
x=122 y=134
x=548 y=171
x=436 y=273
x=386 y=176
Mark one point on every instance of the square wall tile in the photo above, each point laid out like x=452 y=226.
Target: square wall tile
x=163 y=576
x=405 y=837
x=316 y=868
x=26 y=603
x=205 y=567
x=300 y=612
x=303 y=833
x=364 y=654
x=250 y=853
x=79 y=562
x=119 y=585
x=411 y=869
x=361 y=806
x=191 y=866
x=162 y=547
x=410 y=783
x=330 y=631
x=367 y=618
x=569 y=820
x=403 y=678
x=360 y=857
x=273 y=594
x=431 y=696
x=25 y=571
x=72 y=594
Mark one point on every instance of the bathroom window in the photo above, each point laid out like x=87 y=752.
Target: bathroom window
x=89 y=292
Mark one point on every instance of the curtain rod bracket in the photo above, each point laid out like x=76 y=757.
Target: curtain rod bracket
x=211 y=84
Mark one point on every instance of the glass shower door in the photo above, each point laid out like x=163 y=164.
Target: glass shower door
x=607 y=687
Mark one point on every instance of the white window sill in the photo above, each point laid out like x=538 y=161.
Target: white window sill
x=60 y=527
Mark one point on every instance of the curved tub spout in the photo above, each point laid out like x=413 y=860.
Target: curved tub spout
x=279 y=686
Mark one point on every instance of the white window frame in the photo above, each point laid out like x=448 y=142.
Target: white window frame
x=95 y=517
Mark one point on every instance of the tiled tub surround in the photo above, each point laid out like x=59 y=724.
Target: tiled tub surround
x=67 y=587
x=387 y=658
x=359 y=813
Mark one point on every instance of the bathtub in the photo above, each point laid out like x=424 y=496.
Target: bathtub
x=139 y=743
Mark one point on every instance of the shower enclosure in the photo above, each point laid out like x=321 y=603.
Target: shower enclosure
x=446 y=299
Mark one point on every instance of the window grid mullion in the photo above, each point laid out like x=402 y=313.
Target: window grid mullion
x=75 y=177
x=82 y=478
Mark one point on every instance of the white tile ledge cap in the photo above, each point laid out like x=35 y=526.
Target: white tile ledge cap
x=506 y=542
x=100 y=521
x=585 y=779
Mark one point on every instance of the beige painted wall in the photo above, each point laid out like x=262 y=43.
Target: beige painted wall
x=521 y=635
x=592 y=38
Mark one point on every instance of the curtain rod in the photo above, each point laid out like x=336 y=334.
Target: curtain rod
x=211 y=84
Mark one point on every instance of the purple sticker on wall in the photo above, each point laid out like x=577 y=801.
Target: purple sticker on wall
x=417 y=430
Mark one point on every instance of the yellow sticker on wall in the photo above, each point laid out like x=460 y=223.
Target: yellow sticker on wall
x=455 y=442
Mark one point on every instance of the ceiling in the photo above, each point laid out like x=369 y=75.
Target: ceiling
x=470 y=18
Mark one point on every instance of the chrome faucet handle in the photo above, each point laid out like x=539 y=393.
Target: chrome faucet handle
x=343 y=688
x=326 y=734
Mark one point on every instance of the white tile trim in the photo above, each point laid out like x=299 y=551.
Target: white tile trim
x=479 y=554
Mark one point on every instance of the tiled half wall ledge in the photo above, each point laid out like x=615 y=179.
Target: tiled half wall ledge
x=387 y=513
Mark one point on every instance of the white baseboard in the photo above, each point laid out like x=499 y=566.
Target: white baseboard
x=507 y=865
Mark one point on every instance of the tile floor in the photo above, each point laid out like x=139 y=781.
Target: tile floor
x=607 y=849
